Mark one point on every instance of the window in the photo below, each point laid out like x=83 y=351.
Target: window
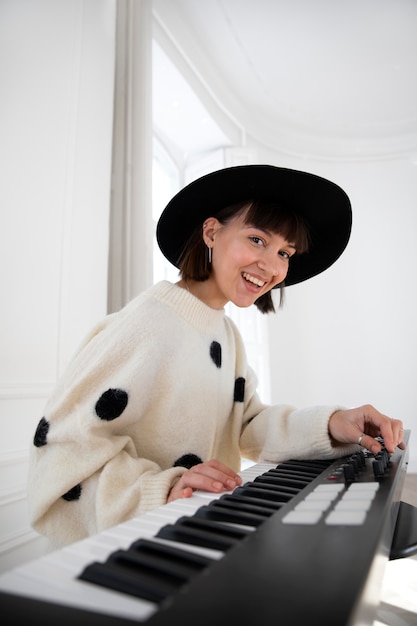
x=165 y=184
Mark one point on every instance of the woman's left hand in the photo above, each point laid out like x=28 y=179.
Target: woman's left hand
x=362 y=425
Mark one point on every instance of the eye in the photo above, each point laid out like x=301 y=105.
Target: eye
x=258 y=240
x=285 y=254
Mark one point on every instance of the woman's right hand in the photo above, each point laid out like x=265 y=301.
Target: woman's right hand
x=208 y=476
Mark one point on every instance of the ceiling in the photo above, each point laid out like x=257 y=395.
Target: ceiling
x=322 y=77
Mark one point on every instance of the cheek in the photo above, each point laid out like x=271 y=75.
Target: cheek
x=240 y=255
x=231 y=254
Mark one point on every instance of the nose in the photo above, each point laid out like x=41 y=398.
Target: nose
x=274 y=265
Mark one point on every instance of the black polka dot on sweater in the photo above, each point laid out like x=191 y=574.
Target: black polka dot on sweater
x=111 y=404
x=216 y=353
x=187 y=460
x=40 y=439
x=239 y=394
x=72 y=494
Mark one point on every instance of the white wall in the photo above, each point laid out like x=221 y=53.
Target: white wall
x=56 y=108
x=349 y=335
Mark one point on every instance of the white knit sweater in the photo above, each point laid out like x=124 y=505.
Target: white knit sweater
x=156 y=387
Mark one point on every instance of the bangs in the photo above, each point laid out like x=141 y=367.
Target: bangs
x=273 y=217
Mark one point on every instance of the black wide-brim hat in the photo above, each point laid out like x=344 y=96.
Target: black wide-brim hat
x=323 y=206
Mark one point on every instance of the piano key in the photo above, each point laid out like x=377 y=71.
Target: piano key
x=255 y=470
x=203 y=533
x=157 y=549
x=309 y=467
x=229 y=514
x=283 y=480
x=243 y=504
x=264 y=491
x=238 y=496
x=147 y=570
x=304 y=475
x=149 y=529
x=63 y=588
x=274 y=482
x=116 y=574
x=320 y=464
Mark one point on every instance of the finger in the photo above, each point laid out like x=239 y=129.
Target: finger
x=401 y=443
x=392 y=433
x=218 y=472
x=368 y=442
x=199 y=480
x=222 y=471
x=178 y=492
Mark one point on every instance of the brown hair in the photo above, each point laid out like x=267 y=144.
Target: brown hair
x=267 y=215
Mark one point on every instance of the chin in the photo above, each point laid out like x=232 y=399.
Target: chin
x=243 y=304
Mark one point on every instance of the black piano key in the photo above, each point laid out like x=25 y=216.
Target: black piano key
x=283 y=480
x=293 y=473
x=118 y=572
x=309 y=466
x=263 y=491
x=204 y=533
x=246 y=504
x=245 y=499
x=232 y=515
x=271 y=483
x=314 y=462
x=169 y=559
x=148 y=570
x=254 y=490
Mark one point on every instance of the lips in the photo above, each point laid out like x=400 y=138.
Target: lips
x=253 y=279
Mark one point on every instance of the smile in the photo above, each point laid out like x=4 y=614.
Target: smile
x=253 y=279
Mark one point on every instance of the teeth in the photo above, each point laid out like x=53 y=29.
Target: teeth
x=253 y=280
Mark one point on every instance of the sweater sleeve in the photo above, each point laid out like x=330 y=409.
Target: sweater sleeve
x=85 y=471
x=281 y=432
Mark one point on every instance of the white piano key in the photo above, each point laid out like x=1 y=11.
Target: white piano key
x=68 y=591
x=253 y=471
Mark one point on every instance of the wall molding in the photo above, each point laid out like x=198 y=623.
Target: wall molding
x=25 y=389
x=10 y=496
x=9 y=457
x=17 y=539
x=131 y=229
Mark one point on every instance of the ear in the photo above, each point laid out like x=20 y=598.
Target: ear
x=210 y=227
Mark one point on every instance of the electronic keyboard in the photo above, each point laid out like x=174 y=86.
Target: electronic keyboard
x=299 y=542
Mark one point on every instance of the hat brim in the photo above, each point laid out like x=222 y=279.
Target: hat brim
x=324 y=207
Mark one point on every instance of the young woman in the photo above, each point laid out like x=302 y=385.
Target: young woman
x=160 y=401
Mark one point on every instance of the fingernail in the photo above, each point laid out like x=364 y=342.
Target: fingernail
x=231 y=483
x=217 y=485
x=374 y=449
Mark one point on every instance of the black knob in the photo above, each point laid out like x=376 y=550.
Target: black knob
x=349 y=472
x=378 y=466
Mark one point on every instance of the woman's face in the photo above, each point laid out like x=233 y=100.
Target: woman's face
x=247 y=262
